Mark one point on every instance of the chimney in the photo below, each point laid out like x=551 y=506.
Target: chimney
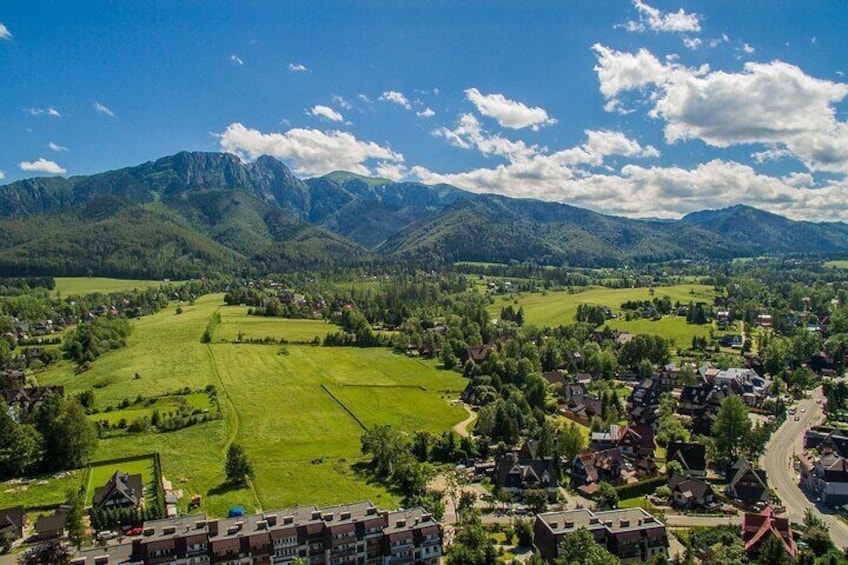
x=316 y=515
x=200 y=524
x=149 y=531
x=262 y=525
x=401 y=523
x=271 y=519
x=288 y=519
x=345 y=516
x=213 y=527
x=168 y=530
x=328 y=517
x=371 y=511
x=426 y=517
x=569 y=524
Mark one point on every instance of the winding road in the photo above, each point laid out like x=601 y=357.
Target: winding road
x=777 y=461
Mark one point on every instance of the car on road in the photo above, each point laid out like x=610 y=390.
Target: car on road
x=797 y=418
x=803 y=409
x=792 y=410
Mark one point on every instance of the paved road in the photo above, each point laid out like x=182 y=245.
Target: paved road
x=784 y=444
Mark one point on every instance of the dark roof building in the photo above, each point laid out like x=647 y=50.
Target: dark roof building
x=12 y=522
x=122 y=490
x=691 y=456
x=746 y=483
x=514 y=473
x=687 y=492
x=757 y=528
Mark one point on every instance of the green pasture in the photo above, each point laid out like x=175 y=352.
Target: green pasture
x=39 y=491
x=164 y=404
x=560 y=307
x=234 y=319
x=301 y=441
x=839 y=264
x=79 y=286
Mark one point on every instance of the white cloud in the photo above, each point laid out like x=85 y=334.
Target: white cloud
x=770 y=103
x=426 y=113
x=56 y=147
x=297 y=68
x=340 y=101
x=104 y=110
x=325 y=112
x=364 y=98
x=391 y=171
x=2 y=175
x=468 y=134
x=396 y=97
x=659 y=21
x=237 y=60
x=5 y=33
x=307 y=151
x=508 y=113
x=693 y=43
x=747 y=49
x=50 y=111
x=42 y=165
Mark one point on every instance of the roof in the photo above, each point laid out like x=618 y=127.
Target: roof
x=514 y=471
x=122 y=487
x=593 y=461
x=14 y=516
x=691 y=456
x=51 y=522
x=748 y=484
x=756 y=528
x=694 y=487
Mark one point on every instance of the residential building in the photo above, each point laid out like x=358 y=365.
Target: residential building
x=757 y=528
x=13 y=522
x=121 y=491
x=691 y=456
x=689 y=493
x=355 y=533
x=746 y=483
x=52 y=526
x=631 y=534
x=826 y=477
x=515 y=472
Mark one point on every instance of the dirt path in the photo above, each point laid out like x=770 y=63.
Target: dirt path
x=462 y=427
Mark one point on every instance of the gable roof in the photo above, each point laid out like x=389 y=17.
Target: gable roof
x=748 y=484
x=755 y=528
x=595 y=461
x=694 y=487
x=127 y=489
x=13 y=518
x=514 y=471
x=691 y=456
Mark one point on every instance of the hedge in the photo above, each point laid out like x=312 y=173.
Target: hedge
x=641 y=488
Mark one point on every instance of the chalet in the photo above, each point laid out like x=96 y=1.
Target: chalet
x=476 y=353
x=569 y=391
x=585 y=406
x=583 y=378
x=631 y=535
x=827 y=440
x=631 y=440
x=689 y=493
x=23 y=402
x=644 y=401
x=555 y=378
x=121 y=491
x=593 y=467
x=691 y=456
x=515 y=473
x=746 y=483
x=13 y=522
x=757 y=528
x=52 y=526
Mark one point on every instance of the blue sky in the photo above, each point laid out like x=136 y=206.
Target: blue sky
x=633 y=107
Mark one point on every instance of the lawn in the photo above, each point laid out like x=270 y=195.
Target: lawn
x=674 y=328
x=41 y=491
x=77 y=286
x=99 y=474
x=560 y=308
x=301 y=441
x=234 y=319
x=839 y=264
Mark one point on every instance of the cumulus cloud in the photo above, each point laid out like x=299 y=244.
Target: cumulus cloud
x=396 y=97
x=5 y=34
x=42 y=165
x=508 y=113
x=426 y=113
x=102 y=109
x=237 y=60
x=2 y=175
x=656 y=20
x=50 y=111
x=325 y=112
x=770 y=103
x=307 y=151
x=56 y=147
x=297 y=68
x=469 y=134
x=392 y=171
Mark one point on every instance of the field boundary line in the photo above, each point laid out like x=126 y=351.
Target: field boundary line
x=351 y=385
x=345 y=408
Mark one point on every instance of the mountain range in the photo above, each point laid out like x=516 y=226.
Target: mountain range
x=193 y=214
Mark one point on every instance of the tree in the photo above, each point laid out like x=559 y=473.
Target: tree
x=579 y=548
x=238 y=467
x=20 y=446
x=607 y=496
x=524 y=533
x=70 y=438
x=570 y=442
x=731 y=429
x=51 y=553
x=385 y=444
x=536 y=499
x=773 y=553
x=74 y=521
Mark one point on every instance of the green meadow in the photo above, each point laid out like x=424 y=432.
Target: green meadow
x=234 y=319
x=560 y=308
x=77 y=286
x=301 y=441
x=100 y=472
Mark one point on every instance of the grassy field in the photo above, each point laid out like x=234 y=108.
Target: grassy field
x=99 y=473
x=76 y=286
x=42 y=491
x=164 y=404
x=839 y=264
x=234 y=319
x=300 y=440
x=556 y=308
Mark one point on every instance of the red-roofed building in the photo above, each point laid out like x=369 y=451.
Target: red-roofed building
x=757 y=528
